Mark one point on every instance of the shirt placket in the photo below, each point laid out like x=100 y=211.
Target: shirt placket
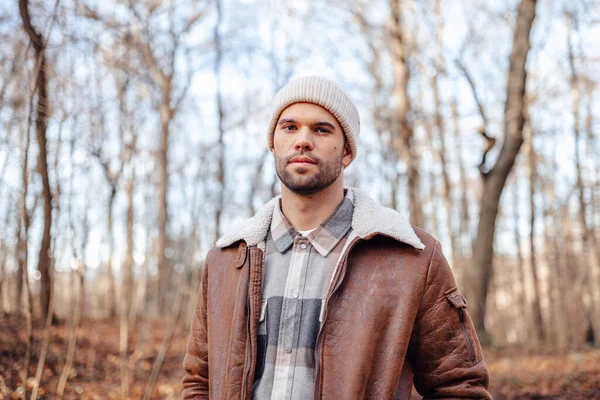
x=290 y=324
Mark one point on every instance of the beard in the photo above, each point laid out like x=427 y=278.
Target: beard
x=301 y=182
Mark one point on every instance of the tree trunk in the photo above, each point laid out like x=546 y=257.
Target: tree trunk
x=495 y=180
x=403 y=132
x=520 y=288
x=465 y=215
x=221 y=119
x=163 y=186
x=553 y=257
x=111 y=298
x=41 y=123
x=22 y=255
x=592 y=147
x=536 y=304
x=126 y=294
x=432 y=224
x=441 y=131
x=3 y=255
x=439 y=123
x=575 y=275
x=3 y=247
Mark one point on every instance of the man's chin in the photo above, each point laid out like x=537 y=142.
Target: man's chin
x=304 y=190
x=301 y=169
x=300 y=184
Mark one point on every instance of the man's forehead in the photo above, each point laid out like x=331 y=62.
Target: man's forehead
x=300 y=110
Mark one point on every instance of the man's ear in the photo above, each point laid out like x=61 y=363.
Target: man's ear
x=347 y=158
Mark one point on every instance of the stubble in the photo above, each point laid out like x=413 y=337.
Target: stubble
x=303 y=183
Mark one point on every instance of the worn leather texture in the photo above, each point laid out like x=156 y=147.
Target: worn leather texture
x=396 y=317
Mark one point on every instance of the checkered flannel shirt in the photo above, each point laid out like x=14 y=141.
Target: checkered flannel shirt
x=297 y=271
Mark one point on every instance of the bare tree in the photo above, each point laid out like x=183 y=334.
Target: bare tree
x=4 y=251
x=22 y=254
x=590 y=87
x=520 y=286
x=554 y=249
x=126 y=293
x=380 y=108
x=220 y=118
x=403 y=139
x=12 y=216
x=159 y=73
x=43 y=111
x=587 y=235
x=112 y=177
x=538 y=321
x=440 y=72
x=127 y=287
x=464 y=213
x=495 y=179
x=442 y=155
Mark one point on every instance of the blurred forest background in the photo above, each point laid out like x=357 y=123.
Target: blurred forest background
x=132 y=134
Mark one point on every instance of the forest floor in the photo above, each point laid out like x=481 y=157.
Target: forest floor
x=96 y=367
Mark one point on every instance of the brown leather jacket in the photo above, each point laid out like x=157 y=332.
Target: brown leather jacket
x=393 y=315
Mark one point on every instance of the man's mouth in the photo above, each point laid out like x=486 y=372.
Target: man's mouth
x=302 y=160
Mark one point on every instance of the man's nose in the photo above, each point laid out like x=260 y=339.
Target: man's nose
x=304 y=139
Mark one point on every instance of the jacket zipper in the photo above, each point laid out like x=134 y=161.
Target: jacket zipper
x=336 y=285
x=461 y=317
x=248 y=343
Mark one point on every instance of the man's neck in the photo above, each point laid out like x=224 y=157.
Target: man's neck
x=308 y=212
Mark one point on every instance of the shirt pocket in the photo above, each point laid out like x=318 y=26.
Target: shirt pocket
x=262 y=340
x=467 y=330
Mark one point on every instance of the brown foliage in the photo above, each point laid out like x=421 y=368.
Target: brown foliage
x=96 y=375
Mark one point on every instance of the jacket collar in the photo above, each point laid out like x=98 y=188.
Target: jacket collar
x=369 y=219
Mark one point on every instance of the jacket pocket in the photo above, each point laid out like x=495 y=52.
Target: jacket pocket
x=262 y=341
x=466 y=326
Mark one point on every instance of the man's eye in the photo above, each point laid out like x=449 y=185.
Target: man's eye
x=323 y=130
x=289 y=128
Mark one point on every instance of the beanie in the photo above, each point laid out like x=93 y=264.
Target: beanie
x=325 y=93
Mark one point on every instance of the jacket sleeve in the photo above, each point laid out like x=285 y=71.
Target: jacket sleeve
x=444 y=349
x=195 y=362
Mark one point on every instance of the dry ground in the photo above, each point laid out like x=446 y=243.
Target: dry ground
x=96 y=368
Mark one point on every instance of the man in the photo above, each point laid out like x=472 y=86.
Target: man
x=324 y=293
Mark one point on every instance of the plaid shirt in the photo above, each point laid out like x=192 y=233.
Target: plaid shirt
x=297 y=271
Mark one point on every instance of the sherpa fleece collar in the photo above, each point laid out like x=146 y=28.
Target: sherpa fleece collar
x=369 y=219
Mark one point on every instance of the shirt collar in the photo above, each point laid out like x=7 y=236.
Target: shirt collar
x=325 y=237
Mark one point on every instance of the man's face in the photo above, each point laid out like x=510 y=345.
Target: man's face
x=310 y=148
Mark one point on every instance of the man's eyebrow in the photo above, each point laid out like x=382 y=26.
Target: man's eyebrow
x=328 y=124
x=285 y=121
x=293 y=121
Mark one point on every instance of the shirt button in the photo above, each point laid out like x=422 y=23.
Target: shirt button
x=303 y=246
x=295 y=295
x=288 y=350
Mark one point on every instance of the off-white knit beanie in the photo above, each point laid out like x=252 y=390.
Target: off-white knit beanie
x=323 y=92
